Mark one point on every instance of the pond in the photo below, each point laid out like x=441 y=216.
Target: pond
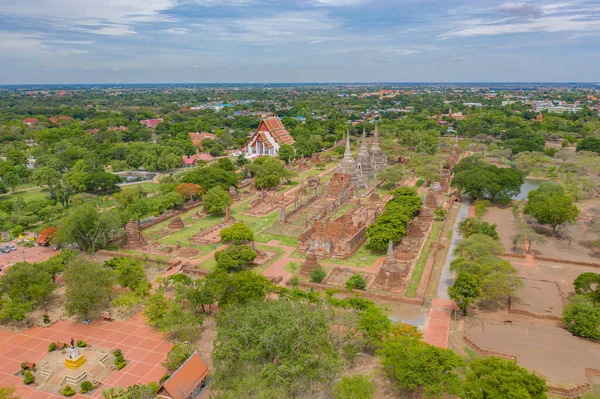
x=529 y=185
x=130 y=176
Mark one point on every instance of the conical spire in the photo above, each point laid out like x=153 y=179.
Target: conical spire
x=348 y=152
x=390 y=250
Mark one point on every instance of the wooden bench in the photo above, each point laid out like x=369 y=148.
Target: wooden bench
x=107 y=316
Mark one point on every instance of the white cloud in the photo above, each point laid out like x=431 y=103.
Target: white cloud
x=336 y=3
x=108 y=17
x=545 y=24
x=520 y=8
x=176 y=31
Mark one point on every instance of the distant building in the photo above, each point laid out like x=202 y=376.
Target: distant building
x=188 y=382
x=30 y=121
x=192 y=160
x=539 y=117
x=268 y=138
x=55 y=119
x=151 y=123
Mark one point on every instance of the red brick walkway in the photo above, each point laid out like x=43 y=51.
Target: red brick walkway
x=438 y=325
x=141 y=345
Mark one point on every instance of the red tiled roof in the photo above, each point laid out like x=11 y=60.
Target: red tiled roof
x=276 y=130
x=151 y=123
x=30 y=120
x=185 y=380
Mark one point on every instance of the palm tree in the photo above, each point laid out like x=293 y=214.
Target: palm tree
x=113 y=393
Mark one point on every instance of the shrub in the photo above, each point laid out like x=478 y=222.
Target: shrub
x=46 y=319
x=23 y=366
x=440 y=212
x=119 y=359
x=81 y=344
x=164 y=378
x=356 y=281
x=117 y=352
x=52 y=347
x=29 y=378
x=68 y=391
x=317 y=275
x=121 y=365
x=294 y=281
x=178 y=355
x=86 y=386
x=480 y=207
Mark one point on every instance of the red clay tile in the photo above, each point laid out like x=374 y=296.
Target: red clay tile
x=138 y=369
x=154 y=358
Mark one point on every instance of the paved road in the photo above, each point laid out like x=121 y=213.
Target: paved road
x=447 y=277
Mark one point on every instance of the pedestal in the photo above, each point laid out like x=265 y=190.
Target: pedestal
x=74 y=364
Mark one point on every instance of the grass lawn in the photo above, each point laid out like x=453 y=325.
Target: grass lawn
x=364 y=257
x=343 y=210
x=287 y=186
x=36 y=194
x=292 y=267
x=209 y=264
x=288 y=241
x=411 y=289
x=279 y=251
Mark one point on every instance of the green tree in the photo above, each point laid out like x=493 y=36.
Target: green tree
x=89 y=286
x=318 y=274
x=354 y=387
x=549 y=204
x=428 y=144
x=263 y=339
x=589 y=144
x=234 y=257
x=421 y=368
x=286 y=153
x=585 y=284
x=12 y=180
x=392 y=175
x=87 y=227
x=374 y=325
x=478 y=245
x=237 y=232
x=492 y=377
x=130 y=272
x=216 y=200
x=356 y=282
x=469 y=226
x=465 y=290
x=582 y=317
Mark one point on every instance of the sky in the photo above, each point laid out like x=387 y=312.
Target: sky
x=256 y=41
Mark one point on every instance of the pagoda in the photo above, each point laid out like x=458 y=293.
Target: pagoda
x=389 y=277
x=363 y=159
x=378 y=159
x=348 y=166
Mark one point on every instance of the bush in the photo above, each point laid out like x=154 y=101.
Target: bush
x=68 y=391
x=81 y=344
x=317 y=275
x=294 y=281
x=164 y=378
x=86 y=386
x=46 y=319
x=52 y=347
x=480 y=207
x=178 y=355
x=440 y=212
x=356 y=387
x=117 y=352
x=238 y=232
x=23 y=366
x=119 y=359
x=121 y=365
x=356 y=281
x=29 y=378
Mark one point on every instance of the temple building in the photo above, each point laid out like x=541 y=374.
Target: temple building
x=378 y=159
x=349 y=166
x=268 y=138
x=363 y=159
